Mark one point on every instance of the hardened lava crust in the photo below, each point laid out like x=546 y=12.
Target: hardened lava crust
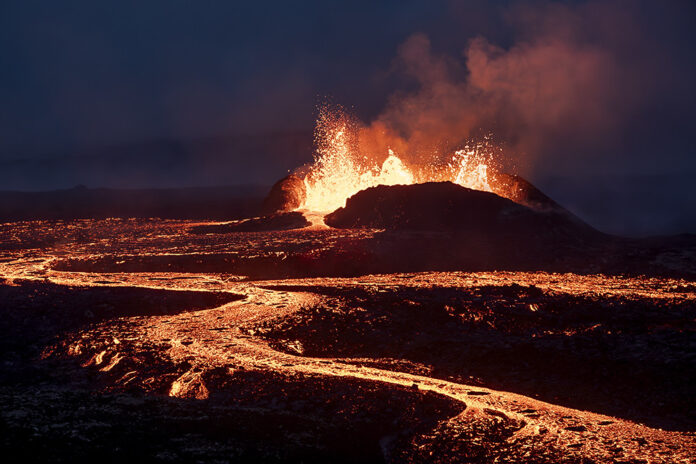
x=181 y=341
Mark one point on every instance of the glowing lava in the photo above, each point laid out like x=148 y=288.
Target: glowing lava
x=340 y=170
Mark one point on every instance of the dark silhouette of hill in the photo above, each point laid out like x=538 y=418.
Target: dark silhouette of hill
x=220 y=203
x=444 y=226
x=450 y=207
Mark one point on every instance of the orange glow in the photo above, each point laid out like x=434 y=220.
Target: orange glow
x=340 y=170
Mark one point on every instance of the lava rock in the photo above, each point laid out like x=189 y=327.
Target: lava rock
x=479 y=229
x=287 y=194
x=281 y=221
x=521 y=191
x=440 y=206
x=428 y=206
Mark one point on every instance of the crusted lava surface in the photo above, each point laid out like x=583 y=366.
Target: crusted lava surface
x=554 y=345
x=181 y=341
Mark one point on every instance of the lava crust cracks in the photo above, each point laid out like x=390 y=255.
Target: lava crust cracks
x=140 y=340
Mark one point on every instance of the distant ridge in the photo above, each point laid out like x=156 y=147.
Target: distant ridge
x=217 y=203
x=211 y=161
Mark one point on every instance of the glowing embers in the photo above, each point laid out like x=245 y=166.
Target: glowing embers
x=189 y=385
x=341 y=170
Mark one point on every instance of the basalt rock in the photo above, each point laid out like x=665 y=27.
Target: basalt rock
x=448 y=206
x=287 y=194
x=279 y=221
x=479 y=228
x=428 y=206
x=519 y=190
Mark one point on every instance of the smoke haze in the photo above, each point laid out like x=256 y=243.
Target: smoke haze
x=568 y=87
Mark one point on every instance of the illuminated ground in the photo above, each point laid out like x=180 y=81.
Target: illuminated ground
x=133 y=339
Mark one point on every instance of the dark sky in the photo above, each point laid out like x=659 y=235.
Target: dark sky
x=80 y=74
x=83 y=72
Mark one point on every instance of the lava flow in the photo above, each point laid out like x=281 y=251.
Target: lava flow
x=187 y=343
x=443 y=312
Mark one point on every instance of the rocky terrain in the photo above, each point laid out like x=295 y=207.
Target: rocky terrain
x=180 y=341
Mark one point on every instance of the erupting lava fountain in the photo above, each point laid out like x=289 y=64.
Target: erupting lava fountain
x=341 y=169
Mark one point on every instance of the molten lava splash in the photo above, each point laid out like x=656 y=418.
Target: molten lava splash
x=471 y=168
x=340 y=170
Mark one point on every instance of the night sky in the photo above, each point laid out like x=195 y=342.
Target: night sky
x=612 y=119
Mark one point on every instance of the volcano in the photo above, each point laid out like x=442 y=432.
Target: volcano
x=441 y=225
x=450 y=207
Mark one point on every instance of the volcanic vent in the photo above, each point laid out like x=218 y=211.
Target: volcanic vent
x=344 y=165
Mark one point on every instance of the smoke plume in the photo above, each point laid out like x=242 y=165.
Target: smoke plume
x=565 y=81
